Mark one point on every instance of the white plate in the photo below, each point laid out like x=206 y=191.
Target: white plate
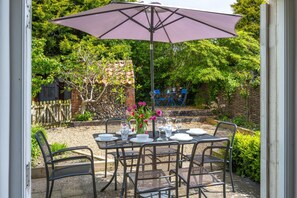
x=111 y=139
x=131 y=133
x=186 y=138
x=196 y=131
x=136 y=140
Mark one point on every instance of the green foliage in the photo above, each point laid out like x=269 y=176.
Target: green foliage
x=250 y=11
x=44 y=69
x=57 y=146
x=35 y=150
x=86 y=116
x=240 y=121
x=246 y=155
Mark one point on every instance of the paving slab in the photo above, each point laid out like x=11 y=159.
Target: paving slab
x=81 y=187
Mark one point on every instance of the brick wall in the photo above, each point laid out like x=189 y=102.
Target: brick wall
x=250 y=107
x=75 y=102
x=130 y=91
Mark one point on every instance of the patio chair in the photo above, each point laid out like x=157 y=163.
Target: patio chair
x=68 y=170
x=223 y=130
x=158 y=98
x=113 y=125
x=197 y=174
x=182 y=97
x=150 y=176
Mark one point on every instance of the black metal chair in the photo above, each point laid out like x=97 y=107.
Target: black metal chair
x=197 y=175
x=223 y=130
x=68 y=170
x=113 y=125
x=150 y=175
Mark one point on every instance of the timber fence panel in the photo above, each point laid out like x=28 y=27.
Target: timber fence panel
x=51 y=113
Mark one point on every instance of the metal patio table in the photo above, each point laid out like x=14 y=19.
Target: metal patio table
x=119 y=144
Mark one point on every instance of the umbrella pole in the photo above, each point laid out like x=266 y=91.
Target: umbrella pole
x=152 y=67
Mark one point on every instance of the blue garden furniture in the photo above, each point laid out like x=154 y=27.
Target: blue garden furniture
x=183 y=97
x=158 y=98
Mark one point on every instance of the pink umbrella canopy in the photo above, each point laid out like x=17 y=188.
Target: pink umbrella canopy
x=136 y=21
x=151 y=22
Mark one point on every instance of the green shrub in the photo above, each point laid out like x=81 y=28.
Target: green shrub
x=35 y=150
x=57 y=146
x=86 y=116
x=246 y=155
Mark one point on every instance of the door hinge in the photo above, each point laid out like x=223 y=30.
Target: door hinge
x=28 y=175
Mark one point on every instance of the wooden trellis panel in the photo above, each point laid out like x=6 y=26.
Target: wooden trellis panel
x=51 y=113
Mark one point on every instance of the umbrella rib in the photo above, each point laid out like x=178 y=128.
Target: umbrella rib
x=128 y=18
x=162 y=22
x=131 y=18
x=90 y=14
x=201 y=22
x=163 y=27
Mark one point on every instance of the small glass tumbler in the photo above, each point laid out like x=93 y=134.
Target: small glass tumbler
x=124 y=134
x=168 y=131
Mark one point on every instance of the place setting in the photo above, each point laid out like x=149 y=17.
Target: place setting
x=106 y=137
x=141 y=138
x=196 y=131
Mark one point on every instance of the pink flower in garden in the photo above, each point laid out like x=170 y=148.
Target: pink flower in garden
x=159 y=112
x=146 y=121
x=134 y=107
x=141 y=104
x=129 y=109
x=141 y=116
x=153 y=118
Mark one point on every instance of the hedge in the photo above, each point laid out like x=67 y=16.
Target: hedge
x=246 y=155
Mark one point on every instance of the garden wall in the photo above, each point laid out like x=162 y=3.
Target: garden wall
x=239 y=106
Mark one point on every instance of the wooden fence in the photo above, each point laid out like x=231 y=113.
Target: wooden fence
x=51 y=113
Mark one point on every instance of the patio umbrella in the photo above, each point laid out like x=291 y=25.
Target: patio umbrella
x=151 y=22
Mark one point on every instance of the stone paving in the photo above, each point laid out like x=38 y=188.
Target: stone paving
x=81 y=187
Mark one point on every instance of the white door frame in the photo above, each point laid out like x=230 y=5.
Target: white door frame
x=15 y=100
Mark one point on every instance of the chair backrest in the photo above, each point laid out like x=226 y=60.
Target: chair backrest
x=226 y=129
x=152 y=163
x=113 y=125
x=203 y=148
x=184 y=91
x=157 y=92
x=45 y=150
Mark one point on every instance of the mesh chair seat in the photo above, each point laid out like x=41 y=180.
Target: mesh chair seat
x=207 y=159
x=200 y=177
x=71 y=170
x=164 y=151
x=150 y=180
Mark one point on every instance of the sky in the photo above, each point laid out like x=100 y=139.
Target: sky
x=208 y=5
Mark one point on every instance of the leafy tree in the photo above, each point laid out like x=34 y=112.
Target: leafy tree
x=77 y=58
x=141 y=59
x=92 y=67
x=44 y=69
x=222 y=64
x=250 y=11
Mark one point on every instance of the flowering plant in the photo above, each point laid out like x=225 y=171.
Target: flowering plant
x=142 y=114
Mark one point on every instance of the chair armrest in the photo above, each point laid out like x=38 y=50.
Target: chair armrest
x=58 y=152
x=71 y=159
